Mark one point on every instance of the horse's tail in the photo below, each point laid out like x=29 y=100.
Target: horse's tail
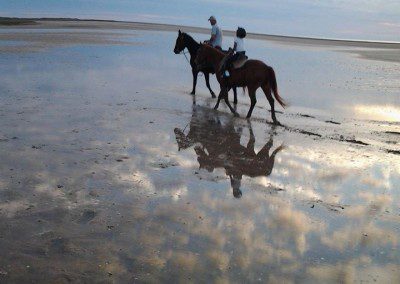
x=274 y=86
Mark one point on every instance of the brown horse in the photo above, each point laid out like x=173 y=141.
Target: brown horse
x=253 y=75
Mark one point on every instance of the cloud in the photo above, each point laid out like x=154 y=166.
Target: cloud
x=390 y=25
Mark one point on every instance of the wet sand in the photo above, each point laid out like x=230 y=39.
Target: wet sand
x=111 y=172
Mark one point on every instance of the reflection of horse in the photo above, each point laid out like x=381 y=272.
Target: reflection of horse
x=253 y=75
x=186 y=41
x=218 y=146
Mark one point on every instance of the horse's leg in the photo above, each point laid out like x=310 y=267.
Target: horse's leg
x=235 y=96
x=207 y=77
x=194 y=72
x=219 y=98
x=252 y=94
x=267 y=91
x=252 y=139
x=225 y=94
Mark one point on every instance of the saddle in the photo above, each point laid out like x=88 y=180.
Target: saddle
x=238 y=63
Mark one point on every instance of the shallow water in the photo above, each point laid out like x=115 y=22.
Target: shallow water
x=111 y=172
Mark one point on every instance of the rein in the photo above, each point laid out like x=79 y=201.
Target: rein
x=184 y=53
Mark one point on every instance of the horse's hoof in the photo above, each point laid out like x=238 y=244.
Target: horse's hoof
x=213 y=96
x=277 y=123
x=235 y=102
x=192 y=92
x=235 y=114
x=215 y=108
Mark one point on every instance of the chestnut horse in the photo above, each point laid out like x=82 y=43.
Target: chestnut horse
x=252 y=75
x=186 y=41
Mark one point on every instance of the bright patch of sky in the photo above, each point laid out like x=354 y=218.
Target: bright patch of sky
x=351 y=19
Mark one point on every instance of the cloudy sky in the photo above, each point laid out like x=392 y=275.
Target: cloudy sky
x=358 y=19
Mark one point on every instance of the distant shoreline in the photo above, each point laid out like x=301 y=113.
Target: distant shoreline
x=62 y=23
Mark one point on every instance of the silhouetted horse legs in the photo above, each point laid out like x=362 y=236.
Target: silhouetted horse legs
x=267 y=91
x=253 y=101
x=219 y=99
x=207 y=77
x=224 y=94
x=195 y=73
x=235 y=101
x=252 y=139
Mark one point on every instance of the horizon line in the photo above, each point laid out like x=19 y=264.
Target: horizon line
x=203 y=29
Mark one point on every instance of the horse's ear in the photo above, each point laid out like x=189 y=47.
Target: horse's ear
x=179 y=32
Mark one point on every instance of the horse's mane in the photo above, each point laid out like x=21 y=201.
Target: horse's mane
x=189 y=37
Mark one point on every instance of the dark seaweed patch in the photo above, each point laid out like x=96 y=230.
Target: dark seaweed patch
x=331 y=121
x=392 y=132
x=310 y=133
x=396 y=152
x=356 y=142
x=306 y=115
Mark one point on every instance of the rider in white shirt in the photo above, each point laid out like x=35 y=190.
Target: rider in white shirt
x=216 y=34
x=238 y=50
x=238 y=45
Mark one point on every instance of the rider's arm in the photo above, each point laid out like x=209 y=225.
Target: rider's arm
x=213 y=34
x=212 y=38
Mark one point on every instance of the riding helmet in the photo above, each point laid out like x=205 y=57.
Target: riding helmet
x=241 y=32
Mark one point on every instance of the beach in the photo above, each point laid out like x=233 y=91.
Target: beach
x=112 y=172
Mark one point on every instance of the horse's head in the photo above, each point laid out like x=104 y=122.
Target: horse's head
x=203 y=56
x=180 y=43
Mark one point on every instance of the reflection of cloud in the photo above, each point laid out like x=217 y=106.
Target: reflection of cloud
x=290 y=225
x=11 y=208
x=378 y=201
x=218 y=259
x=369 y=236
x=390 y=25
x=120 y=217
x=378 y=112
x=354 y=271
x=183 y=261
x=341 y=273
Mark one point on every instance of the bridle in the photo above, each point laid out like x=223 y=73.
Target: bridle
x=184 y=53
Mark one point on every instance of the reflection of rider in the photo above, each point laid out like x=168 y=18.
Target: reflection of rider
x=216 y=34
x=236 y=182
x=238 y=50
x=218 y=146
